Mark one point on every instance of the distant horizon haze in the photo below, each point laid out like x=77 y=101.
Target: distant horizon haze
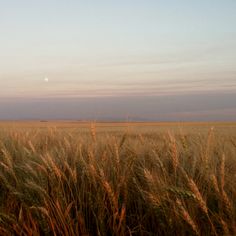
x=191 y=107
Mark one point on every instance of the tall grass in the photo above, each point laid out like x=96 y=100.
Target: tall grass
x=56 y=183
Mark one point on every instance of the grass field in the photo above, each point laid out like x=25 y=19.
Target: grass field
x=78 y=178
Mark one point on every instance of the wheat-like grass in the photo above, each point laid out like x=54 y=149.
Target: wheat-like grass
x=215 y=184
x=222 y=173
x=198 y=196
x=208 y=143
x=93 y=131
x=225 y=227
x=174 y=152
x=186 y=217
x=65 y=182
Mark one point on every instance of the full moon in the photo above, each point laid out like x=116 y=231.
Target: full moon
x=46 y=79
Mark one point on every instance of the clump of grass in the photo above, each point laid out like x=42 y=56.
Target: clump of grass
x=59 y=183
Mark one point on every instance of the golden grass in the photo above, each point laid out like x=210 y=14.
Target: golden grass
x=106 y=181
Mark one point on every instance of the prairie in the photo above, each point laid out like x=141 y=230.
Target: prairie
x=82 y=178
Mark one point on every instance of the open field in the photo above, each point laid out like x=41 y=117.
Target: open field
x=78 y=178
x=228 y=128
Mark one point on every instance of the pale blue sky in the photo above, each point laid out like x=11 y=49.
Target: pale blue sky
x=116 y=48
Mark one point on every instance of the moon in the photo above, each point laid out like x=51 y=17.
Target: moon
x=46 y=79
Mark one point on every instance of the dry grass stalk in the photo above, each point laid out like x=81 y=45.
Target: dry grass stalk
x=227 y=203
x=225 y=227
x=153 y=199
x=149 y=178
x=93 y=131
x=199 y=198
x=141 y=139
x=192 y=185
x=111 y=194
x=32 y=146
x=122 y=217
x=215 y=184
x=225 y=199
x=222 y=173
x=117 y=155
x=174 y=153
x=187 y=218
x=208 y=146
x=53 y=165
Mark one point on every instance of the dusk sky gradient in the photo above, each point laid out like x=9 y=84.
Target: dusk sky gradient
x=152 y=60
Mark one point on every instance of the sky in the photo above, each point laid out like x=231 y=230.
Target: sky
x=147 y=60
